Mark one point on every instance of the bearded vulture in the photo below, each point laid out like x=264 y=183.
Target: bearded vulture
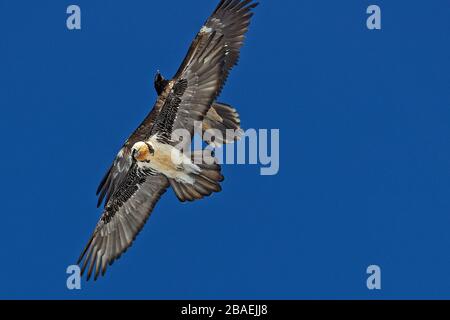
x=148 y=163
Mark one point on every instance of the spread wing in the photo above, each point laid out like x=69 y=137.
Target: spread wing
x=122 y=163
x=123 y=218
x=205 y=69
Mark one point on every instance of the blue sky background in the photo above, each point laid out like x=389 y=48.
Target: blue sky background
x=365 y=151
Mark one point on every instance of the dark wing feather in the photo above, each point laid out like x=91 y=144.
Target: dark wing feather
x=115 y=175
x=122 y=163
x=123 y=218
x=212 y=55
x=164 y=123
x=231 y=19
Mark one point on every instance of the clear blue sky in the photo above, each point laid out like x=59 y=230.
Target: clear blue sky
x=364 y=118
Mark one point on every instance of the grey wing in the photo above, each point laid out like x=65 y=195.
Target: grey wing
x=123 y=218
x=231 y=19
x=114 y=177
x=210 y=58
x=122 y=163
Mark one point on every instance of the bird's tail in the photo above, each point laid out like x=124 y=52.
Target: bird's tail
x=206 y=181
x=225 y=119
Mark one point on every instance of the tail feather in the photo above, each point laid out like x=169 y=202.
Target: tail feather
x=192 y=192
x=206 y=182
x=222 y=117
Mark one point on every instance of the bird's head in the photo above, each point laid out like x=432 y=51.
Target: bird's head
x=143 y=151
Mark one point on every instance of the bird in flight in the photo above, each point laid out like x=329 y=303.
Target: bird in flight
x=150 y=161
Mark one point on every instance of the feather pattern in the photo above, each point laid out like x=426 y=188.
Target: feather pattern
x=123 y=218
x=212 y=55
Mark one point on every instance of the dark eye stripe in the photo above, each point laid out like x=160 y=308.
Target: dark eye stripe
x=150 y=148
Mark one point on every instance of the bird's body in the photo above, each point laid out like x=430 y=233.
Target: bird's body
x=150 y=162
x=166 y=160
